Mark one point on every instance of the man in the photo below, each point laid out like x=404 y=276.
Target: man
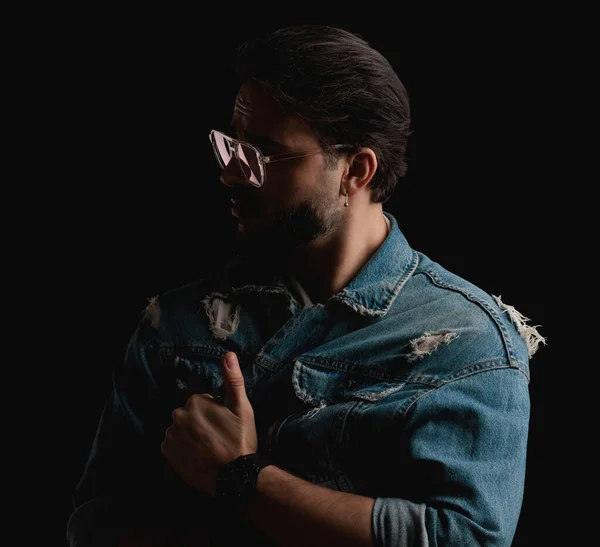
x=329 y=385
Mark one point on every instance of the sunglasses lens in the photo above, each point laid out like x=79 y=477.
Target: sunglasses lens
x=223 y=148
x=250 y=164
x=249 y=161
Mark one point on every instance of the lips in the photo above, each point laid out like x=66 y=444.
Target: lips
x=240 y=209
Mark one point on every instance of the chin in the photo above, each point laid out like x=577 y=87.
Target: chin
x=280 y=236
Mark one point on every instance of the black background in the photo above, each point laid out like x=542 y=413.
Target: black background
x=139 y=208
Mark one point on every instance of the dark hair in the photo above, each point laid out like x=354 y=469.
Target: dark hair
x=342 y=88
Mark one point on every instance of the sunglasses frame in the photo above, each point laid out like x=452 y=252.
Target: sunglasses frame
x=263 y=160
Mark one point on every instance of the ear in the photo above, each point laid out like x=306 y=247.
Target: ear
x=360 y=169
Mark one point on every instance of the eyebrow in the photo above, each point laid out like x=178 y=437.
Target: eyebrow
x=258 y=140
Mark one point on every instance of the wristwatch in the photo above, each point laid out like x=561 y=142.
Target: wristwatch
x=236 y=480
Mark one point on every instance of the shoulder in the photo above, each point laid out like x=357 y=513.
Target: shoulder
x=475 y=327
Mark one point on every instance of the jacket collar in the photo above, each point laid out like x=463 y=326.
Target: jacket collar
x=370 y=293
x=376 y=286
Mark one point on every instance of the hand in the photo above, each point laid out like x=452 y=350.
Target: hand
x=207 y=434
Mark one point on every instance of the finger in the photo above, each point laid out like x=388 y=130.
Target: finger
x=169 y=433
x=235 y=387
x=198 y=399
x=178 y=415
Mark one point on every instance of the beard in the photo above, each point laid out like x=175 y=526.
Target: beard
x=290 y=230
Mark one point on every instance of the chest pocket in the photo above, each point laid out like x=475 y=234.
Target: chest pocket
x=317 y=441
x=320 y=386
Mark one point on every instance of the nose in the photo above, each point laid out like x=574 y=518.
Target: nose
x=232 y=174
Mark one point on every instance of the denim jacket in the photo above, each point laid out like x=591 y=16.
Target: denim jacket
x=409 y=386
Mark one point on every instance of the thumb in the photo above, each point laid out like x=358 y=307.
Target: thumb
x=235 y=389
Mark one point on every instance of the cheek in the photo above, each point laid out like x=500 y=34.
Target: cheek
x=300 y=176
x=287 y=183
x=298 y=181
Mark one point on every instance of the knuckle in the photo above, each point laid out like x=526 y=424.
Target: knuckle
x=237 y=381
x=192 y=399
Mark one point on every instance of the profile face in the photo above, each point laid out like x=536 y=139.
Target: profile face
x=299 y=199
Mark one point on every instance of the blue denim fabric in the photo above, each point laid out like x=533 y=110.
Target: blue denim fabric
x=409 y=386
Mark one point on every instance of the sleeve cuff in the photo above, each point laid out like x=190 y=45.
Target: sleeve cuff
x=399 y=523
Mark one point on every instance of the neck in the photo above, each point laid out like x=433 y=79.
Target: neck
x=325 y=266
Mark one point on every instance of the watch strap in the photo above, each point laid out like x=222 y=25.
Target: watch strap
x=236 y=480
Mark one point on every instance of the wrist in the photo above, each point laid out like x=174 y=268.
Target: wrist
x=265 y=475
x=237 y=481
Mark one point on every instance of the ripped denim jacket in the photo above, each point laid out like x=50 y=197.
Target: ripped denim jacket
x=409 y=386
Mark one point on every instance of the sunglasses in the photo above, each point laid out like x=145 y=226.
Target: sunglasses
x=250 y=159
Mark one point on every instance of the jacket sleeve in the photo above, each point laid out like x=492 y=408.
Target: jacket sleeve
x=462 y=465
x=127 y=483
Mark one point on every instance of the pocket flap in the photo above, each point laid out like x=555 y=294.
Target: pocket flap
x=324 y=386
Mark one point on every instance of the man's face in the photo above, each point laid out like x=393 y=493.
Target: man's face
x=300 y=199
